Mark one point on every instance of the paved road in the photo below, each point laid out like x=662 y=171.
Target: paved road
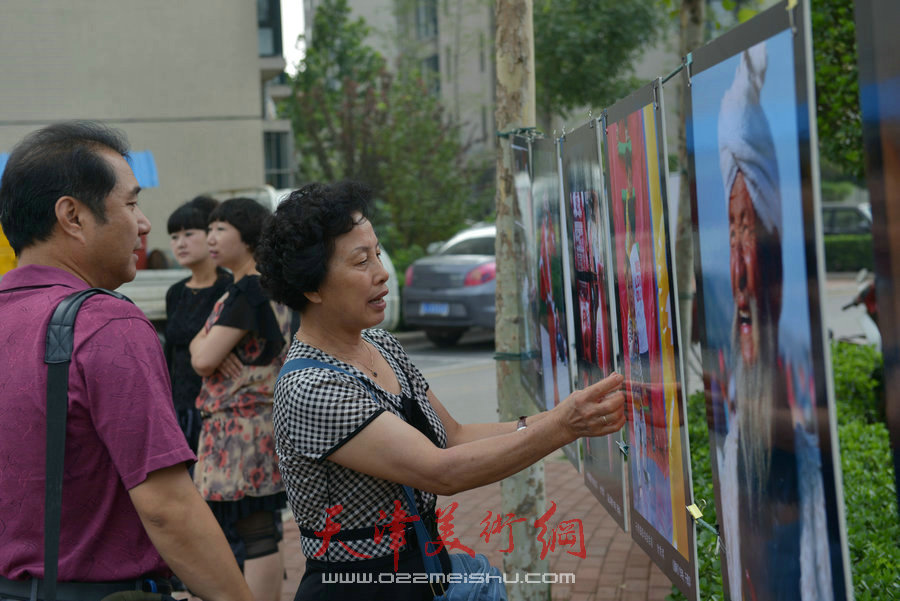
x=463 y=377
x=840 y=290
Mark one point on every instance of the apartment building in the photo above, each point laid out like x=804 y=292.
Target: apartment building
x=190 y=83
x=451 y=42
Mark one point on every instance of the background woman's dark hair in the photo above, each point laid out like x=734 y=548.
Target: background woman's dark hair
x=192 y=215
x=297 y=243
x=246 y=215
x=63 y=159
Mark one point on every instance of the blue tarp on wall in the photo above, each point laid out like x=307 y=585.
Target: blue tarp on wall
x=142 y=163
x=144 y=168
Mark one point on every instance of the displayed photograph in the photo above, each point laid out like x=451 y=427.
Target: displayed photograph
x=774 y=464
x=879 y=81
x=526 y=249
x=552 y=328
x=573 y=450
x=589 y=276
x=659 y=466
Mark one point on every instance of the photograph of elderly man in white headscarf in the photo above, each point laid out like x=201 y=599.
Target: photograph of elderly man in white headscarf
x=769 y=470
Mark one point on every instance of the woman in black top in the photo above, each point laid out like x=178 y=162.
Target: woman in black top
x=188 y=304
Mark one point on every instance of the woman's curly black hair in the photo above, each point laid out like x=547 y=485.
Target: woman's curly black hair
x=297 y=243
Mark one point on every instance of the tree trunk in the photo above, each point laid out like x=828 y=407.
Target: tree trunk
x=522 y=494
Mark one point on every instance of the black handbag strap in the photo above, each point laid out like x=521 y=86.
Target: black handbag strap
x=57 y=356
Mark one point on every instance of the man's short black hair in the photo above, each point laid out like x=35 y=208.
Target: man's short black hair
x=246 y=215
x=192 y=215
x=298 y=242
x=59 y=160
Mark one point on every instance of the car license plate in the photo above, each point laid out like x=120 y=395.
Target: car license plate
x=442 y=309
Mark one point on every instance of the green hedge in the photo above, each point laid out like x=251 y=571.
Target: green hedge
x=858 y=382
x=873 y=526
x=849 y=252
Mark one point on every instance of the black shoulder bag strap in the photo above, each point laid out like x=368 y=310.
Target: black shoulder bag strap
x=431 y=562
x=57 y=356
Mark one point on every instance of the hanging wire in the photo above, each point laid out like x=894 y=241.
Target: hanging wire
x=524 y=356
x=673 y=73
x=518 y=131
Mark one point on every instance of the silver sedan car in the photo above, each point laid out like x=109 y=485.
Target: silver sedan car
x=453 y=290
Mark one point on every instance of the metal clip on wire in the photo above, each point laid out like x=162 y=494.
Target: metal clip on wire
x=688 y=61
x=791 y=10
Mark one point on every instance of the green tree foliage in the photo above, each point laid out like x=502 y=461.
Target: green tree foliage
x=425 y=189
x=584 y=49
x=354 y=119
x=336 y=84
x=838 y=119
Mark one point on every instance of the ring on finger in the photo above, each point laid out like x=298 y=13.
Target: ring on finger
x=603 y=417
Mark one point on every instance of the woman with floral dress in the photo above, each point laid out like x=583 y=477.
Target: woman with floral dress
x=239 y=352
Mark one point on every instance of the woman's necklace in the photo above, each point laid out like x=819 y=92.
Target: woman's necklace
x=371 y=361
x=370 y=367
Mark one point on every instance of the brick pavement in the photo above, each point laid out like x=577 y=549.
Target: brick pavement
x=614 y=569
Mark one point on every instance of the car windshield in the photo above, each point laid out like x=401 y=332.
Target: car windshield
x=483 y=245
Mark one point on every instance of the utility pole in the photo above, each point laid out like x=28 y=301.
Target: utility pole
x=523 y=494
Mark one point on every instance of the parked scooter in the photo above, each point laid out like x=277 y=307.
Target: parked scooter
x=868 y=321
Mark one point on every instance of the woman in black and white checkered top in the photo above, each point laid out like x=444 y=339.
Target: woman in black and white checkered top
x=343 y=452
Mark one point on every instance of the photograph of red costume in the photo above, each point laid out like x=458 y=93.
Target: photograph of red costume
x=526 y=240
x=551 y=303
x=586 y=222
x=659 y=466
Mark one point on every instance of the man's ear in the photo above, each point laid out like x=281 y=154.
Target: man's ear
x=313 y=297
x=70 y=216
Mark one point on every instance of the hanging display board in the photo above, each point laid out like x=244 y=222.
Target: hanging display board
x=751 y=141
x=584 y=200
x=879 y=90
x=572 y=450
x=645 y=295
x=526 y=249
x=551 y=302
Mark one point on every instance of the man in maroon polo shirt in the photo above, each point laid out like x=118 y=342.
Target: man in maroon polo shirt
x=68 y=205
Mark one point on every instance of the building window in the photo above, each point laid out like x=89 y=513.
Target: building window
x=277 y=151
x=268 y=19
x=431 y=74
x=426 y=19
